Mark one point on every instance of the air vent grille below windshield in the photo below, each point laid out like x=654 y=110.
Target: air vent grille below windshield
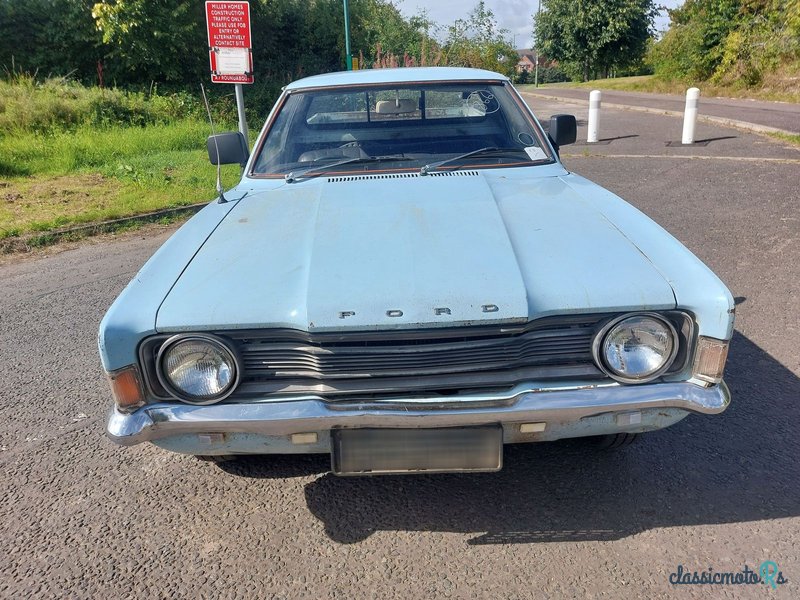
x=344 y=178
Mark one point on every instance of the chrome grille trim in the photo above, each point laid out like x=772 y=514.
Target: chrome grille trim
x=447 y=361
x=447 y=385
x=319 y=362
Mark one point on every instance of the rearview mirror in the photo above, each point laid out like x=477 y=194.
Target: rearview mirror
x=232 y=148
x=563 y=130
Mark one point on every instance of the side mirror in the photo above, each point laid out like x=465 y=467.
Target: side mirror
x=232 y=149
x=563 y=130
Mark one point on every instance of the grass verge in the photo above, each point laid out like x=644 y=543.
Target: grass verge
x=67 y=178
x=72 y=155
x=656 y=85
x=786 y=137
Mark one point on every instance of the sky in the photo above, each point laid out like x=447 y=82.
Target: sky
x=514 y=15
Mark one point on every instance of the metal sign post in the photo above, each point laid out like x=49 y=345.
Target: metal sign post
x=230 y=49
x=536 y=77
x=348 y=56
x=240 y=111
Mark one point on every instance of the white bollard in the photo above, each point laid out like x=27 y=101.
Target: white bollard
x=594 y=116
x=690 y=115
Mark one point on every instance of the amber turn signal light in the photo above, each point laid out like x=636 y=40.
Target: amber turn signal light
x=127 y=388
x=709 y=359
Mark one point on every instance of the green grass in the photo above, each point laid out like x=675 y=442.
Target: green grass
x=72 y=155
x=786 y=137
x=29 y=105
x=653 y=84
x=50 y=181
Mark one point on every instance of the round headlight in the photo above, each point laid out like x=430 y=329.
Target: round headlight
x=636 y=348
x=197 y=369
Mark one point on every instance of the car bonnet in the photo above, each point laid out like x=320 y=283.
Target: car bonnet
x=405 y=251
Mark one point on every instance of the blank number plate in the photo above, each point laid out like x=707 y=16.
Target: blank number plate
x=381 y=451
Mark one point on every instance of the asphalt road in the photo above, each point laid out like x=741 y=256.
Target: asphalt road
x=83 y=518
x=780 y=115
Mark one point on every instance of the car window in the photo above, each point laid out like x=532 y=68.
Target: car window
x=399 y=105
x=337 y=108
x=405 y=126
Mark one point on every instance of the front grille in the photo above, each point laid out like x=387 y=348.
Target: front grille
x=287 y=354
x=388 y=363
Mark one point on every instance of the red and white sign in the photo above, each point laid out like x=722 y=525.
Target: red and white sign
x=229 y=42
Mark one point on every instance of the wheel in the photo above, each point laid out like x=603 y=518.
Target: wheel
x=612 y=441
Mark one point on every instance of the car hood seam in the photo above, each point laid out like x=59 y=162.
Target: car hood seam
x=632 y=243
x=189 y=262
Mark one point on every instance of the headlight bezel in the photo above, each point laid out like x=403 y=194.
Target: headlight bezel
x=212 y=340
x=598 y=347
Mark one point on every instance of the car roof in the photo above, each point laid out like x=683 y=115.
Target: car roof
x=397 y=75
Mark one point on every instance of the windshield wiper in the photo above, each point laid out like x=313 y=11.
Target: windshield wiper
x=320 y=170
x=488 y=150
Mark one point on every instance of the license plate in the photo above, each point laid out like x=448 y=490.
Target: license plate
x=447 y=450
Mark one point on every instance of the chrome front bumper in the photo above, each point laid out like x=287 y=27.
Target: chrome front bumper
x=572 y=411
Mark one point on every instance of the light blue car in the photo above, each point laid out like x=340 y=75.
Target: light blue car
x=407 y=278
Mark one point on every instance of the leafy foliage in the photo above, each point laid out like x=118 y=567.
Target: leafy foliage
x=157 y=40
x=50 y=37
x=729 y=41
x=477 y=42
x=132 y=43
x=57 y=105
x=592 y=37
x=387 y=34
x=547 y=74
x=693 y=46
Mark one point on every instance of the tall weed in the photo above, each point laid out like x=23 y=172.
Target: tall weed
x=57 y=105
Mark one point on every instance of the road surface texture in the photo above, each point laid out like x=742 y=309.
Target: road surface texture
x=777 y=115
x=83 y=518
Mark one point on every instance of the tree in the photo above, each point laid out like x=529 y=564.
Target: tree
x=136 y=42
x=738 y=42
x=693 y=45
x=477 y=42
x=154 y=40
x=50 y=37
x=383 y=31
x=591 y=37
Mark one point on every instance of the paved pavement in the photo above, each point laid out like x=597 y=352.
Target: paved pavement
x=778 y=115
x=83 y=518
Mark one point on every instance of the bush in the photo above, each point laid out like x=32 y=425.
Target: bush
x=547 y=74
x=54 y=105
x=728 y=42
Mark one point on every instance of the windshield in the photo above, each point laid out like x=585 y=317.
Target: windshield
x=422 y=127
